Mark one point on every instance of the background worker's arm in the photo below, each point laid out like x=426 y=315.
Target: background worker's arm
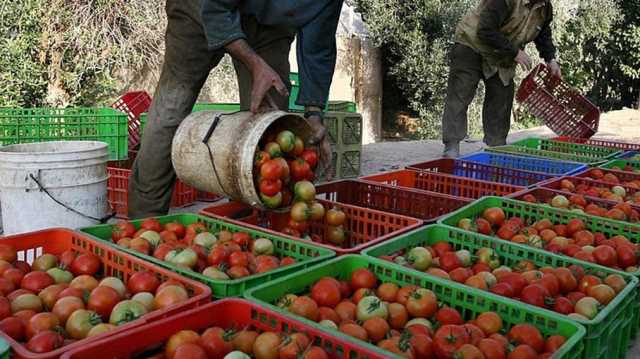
x=316 y=53
x=545 y=46
x=223 y=28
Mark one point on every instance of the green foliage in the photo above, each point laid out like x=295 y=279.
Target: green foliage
x=598 y=43
x=22 y=73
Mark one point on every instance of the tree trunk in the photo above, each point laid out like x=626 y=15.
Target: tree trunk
x=368 y=88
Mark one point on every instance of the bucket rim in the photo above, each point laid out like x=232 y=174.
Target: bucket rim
x=91 y=147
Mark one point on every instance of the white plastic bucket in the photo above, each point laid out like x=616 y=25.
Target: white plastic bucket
x=73 y=173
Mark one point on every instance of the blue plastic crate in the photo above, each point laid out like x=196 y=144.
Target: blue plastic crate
x=534 y=164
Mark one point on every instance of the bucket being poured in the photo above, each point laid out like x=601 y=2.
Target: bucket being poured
x=226 y=165
x=53 y=184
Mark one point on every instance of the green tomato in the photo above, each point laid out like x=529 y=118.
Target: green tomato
x=262 y=246
x=535 y=241
x=489 y=257
x=205 y=239
x=44 y=262
x=80 y=323
x=465 y=257
x=304 y=191
x=152 y=237
x=286 y=141
x=215 y=273
x=419 y=258
x=127 y=311
x=371 y=307
x=182 y=257
x=273 y=201
x=236 y=355
x=273 y=149
x=400 y=260
x=60 y=275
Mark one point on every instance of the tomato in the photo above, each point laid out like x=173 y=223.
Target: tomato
x=605 y=256
x=326 y=313
x=270 y=187
x=122 y=229
x=588 y=281
x=218 y=343
x=492 y=349
x=293 y=345
x=299 y=170
x=574 y=225
x=326 y=292
x=272 y=201
x=507 y=231
x=49 y=295
x=305 y=307
x=169 y=296
x=336 y=235
x=602 y=293
x=182 y=257
x=8 y=253
x=65 y=306
x=568 y=282
x=26 y=301
x=346 y=310
x=363 y=278
x=180 y=338
x=335 y=217
x=236 y=272
x=81 y=322
x=13 y=327
x=316 y=211
x=84 y=282
x=551 y=283
x=483 y=226
x=143 y=282
x=494 y=215
x=504 y=289
x=450 y=261
x=377 y=328
x=311 y=157
x=218 y=255
x=535 y=294
x=468 y=351
x=354 y=330
x=404 y=293
x=460 y=275
x=271 y=170
x=71 y=292
x=523 y=352
x=260 y=158
x=41 y=322
x=315 y=353
x=627 y=256
x=102 y=300
x=616 y=282
x=527 y=334
x=189 y=351
x=553 y=343
x=398 y=315
x=370 y=307
x=194 y=229
x=300 y=212
x=128 y=310
x=14 y=275
x=45 y=342
x=387 y=292
x=266 y=345
x=286 y=140
x=448 y=339
x=489 y=323
x=85 y=263
x=5 y=308
x=242 y=341
x=447 y=315
x=422 y=303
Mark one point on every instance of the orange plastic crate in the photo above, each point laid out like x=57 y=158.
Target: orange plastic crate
x=226 y=313
x=460 y=187
x=208 y=197
x=114 y=263
x=365 y=227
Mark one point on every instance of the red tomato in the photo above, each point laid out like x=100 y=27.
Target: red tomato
x=447 y=315
x=311 y=157
x=85 y=263
x=238 y=272
x=122 y=229
x=527 y=334
x=605 y=256
x=483 y=226
x=305 y=307
x=13 y=327
x=189 y=351
x=36 y=281
x=627 y=256
x=449 y=261
x=535 y=294
x=271 y=170
x=494 y=215
x=41 y=322
x=326 y=292
x=195 y=228
x=299 y=170
x=448 y=339
x=243 y=239
x=151 y=224
x=587 y=282
x=102 y=300
x=218 y=255
x=261 y=158
x=363 y=278
x=45 y=342
x=177 y=228
x=563 y=305
x=441 y=248
x=8 y=253
x=143 y=282
x=14 y=275
x=270 y=187
x=504 y=289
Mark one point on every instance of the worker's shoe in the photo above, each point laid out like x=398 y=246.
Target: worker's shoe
x=451 y=150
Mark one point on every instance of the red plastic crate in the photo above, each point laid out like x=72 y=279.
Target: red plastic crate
x=626 y=146
x=562 y=108
x=226 y=313
x=364 y=227
x=488 y=172
x=427 y=206
x=460 y=187
x=114 y=263
x=208 y=197
x=545 y=195
x=133 y=104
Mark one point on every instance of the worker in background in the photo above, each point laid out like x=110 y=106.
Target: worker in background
x=258 y=36
x=489 y=43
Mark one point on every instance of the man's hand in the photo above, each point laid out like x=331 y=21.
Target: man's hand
x=262 y=75
x=554 y=68
x=524 y=60
x=320 y=138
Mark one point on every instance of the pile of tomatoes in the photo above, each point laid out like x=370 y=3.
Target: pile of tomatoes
x=572 y=239
x=284 y=169
x=565 y=290
x=333 y=222
x=408 y=321
x=613 y=192
x=628 y=168
x=60 y=299
x=224 y=255
x=600 y=175
x=580 y=204
x=246 y=343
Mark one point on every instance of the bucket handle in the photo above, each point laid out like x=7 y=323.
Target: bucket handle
x=99 y=220
x=206 y=139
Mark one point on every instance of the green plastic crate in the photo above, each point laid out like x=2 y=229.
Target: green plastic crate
x=344 y=164
x=607 y=335
x=469 y=302
x=337 y=106
x=344 y=128
x=635 y=165
x=305 y=254
x=567 y=151
x=26 y=125
x=226 y=107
